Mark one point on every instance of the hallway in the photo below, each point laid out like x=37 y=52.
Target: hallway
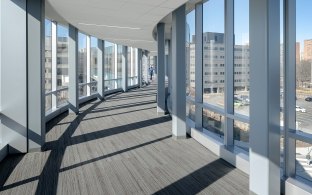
x=119 y=146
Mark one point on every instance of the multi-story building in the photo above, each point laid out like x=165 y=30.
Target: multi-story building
x=298 y=51
x=307 y=53
x=214 y=64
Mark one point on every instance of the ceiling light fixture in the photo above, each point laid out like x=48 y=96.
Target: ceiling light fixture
x=109 y=26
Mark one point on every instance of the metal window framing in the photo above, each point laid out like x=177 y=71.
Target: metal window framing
x=290 y=87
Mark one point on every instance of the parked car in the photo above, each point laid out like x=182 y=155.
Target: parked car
x=300 y=109
x=308 y=99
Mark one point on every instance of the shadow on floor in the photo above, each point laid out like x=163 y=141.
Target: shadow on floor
x=200 y=179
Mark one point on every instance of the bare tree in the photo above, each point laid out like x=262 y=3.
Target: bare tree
x=303 y=72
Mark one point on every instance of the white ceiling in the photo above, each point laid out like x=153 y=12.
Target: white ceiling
x=127 y=22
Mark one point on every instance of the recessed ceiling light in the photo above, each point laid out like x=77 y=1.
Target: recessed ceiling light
x=109 y=26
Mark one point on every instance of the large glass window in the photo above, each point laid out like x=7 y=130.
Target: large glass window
x=134 y=66
x=303 y=97
x=48 y=63
x=213 y=53
x=190 y=54
x=82 y=64
x=62 y=64
x=109 y=66
x=93 y=65
x=303 y=67
x=119 y=65
x=241 y=57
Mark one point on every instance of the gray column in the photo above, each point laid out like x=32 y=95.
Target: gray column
x=229 y=71
x=100 y=68
x=73 y=96
x=124 y=66
x=178 y=74
x=14 y=75
x=140 y=56
x=199 y=65
x=36 y=71
x=290 y=87
x=264 y=97
x=161 y=90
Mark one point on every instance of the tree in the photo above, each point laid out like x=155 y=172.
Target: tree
x=303 y=72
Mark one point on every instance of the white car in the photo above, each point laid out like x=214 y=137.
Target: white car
x=299 y=109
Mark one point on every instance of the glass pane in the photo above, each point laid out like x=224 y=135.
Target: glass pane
x=241 y=134
x=109 y=85
x=304 y=160
x=190 y=54
x=213 y=53
x=93 y=87
x=94 y=60
x=82 y=90
x=213 y=122
x=241 y=57
x=62 y=57
x=190 y=111
x=119 y=61
x=303 y=66
x=62 y=97
x=119 y=83
x=134 y=68
x=109 y=61
x=82 y=58
x=129 y=64
x=48 y=55
x=48 y=102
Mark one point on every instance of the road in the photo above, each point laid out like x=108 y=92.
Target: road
x=305 y=119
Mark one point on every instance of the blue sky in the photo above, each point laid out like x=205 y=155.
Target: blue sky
x=303 y=20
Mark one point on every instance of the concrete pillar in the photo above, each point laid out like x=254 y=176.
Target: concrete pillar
x=22 y=75
x=229 y=70
x=73 y=96
x=264 y=155
x=161 y=90
x=178 y=74
x=100 y=67
x=199 y=66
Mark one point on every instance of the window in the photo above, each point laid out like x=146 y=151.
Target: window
x=93 y=65
x=190 y=53
x=48 y=64
x=213 y=33
x=109 y=66
x=82 y=64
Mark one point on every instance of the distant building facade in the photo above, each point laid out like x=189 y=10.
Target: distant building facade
x=214 y=64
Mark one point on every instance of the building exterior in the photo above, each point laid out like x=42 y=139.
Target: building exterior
x=298 y=52
x=307 y=53
x=214 y=64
